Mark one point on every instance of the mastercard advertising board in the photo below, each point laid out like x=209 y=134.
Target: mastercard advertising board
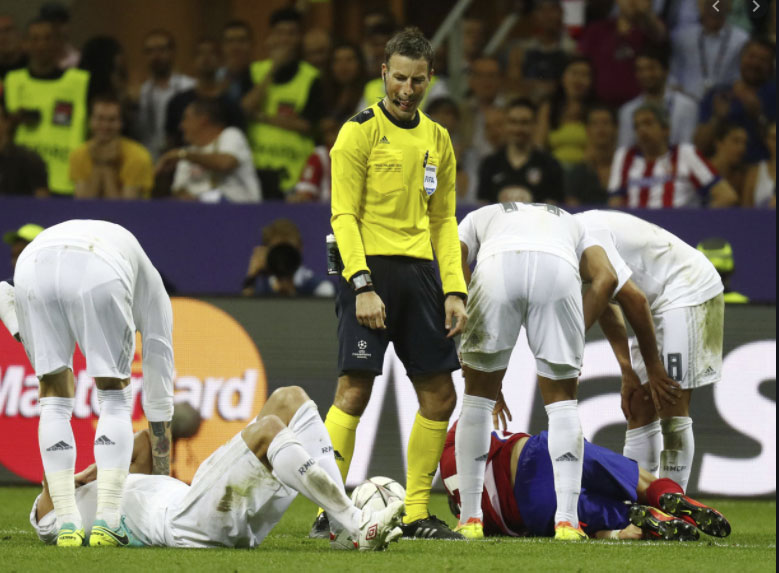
x=219 y=382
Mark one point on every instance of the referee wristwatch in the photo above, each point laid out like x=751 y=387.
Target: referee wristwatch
x=362 y=282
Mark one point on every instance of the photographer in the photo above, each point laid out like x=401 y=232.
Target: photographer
x=276 y=266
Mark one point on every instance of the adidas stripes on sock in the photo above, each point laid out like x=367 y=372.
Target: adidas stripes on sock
x=58 y=453
x=471 y=448
x=566 y=448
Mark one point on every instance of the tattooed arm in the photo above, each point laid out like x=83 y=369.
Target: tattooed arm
x=161 y=442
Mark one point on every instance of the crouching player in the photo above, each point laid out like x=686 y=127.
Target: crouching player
x=617 y=501
x=240 y=492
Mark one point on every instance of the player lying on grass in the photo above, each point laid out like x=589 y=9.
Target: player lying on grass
x=618 y=500
x=240 y=492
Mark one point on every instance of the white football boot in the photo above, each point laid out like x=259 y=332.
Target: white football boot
x=377 y=529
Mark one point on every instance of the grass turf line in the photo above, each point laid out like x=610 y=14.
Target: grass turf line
x=751 y=547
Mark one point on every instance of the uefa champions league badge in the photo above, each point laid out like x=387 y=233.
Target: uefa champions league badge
x=431 y=179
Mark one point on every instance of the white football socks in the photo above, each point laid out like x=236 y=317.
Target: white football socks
x=643 y=445
x=113 y=451
x=312 y=433
x=566 y=449
x=58 y=453
x=295 y=468
x=678 y=449
x=471 y=448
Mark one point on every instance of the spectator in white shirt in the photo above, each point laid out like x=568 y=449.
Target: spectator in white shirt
x=163 y=83
x=652 y=76
x=217 y=165
x=707 y=54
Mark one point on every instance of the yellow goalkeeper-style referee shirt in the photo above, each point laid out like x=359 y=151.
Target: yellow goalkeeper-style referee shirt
x=393 y=193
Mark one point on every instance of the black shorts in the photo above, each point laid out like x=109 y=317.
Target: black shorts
x=414 y=301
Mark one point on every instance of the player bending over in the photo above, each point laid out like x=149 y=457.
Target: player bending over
x=240 y=492
x=90 y=283
x=684 y=296
x=528 y=274
x=519 y=498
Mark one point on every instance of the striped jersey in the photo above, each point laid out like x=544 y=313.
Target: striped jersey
x=680 y=178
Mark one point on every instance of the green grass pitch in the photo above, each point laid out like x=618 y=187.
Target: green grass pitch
x=751 y=547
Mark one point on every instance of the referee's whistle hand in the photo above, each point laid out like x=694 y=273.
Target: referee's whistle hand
x=370 y=311
x=455 y=309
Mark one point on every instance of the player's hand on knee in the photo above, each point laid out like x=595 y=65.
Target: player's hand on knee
x=664 y=389
x=456 y=317
x=631 y=385
x=370 y=310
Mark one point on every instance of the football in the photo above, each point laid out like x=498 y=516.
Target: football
x=377 y=492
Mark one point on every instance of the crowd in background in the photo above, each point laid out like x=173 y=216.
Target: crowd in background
x=642 y=106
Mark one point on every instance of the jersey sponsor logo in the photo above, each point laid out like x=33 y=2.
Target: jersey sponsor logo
x=219 y=385
x=60 y=446
x=104 y=441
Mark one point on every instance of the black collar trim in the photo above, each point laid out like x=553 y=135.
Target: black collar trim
x=410 y=124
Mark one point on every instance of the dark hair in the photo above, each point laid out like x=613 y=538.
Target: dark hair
x=106 y=98
x=524 y=102
x=600 y=107
x=164 y=33
x=244 y=25
x=724 y=128
x=98 y=57
x=558 y=99
x=441 y=103
x=342 y=99
x=660 y=113
x=285 y=15
x=211 y=108
x=411 y=43
x=55 y=12
x=659 y=52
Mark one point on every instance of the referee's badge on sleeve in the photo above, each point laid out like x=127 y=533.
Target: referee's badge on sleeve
x=431 y=179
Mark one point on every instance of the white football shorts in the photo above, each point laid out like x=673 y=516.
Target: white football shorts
x=65 y=296
x=537 y=290
x=234 y=501
x=689 y=340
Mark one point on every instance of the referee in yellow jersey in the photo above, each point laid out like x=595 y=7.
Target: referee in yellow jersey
x=393 y=205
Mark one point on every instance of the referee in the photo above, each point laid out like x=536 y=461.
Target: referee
x=393 y=204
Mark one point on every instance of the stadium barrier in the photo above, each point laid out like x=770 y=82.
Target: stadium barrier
x=232 y=352
x=204 y=249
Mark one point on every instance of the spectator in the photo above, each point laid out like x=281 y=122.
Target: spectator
x=750 y=103
x=561 y=127
x=474 y=38
x=446 y=112
x=760 y=184
x=652 y=76
x=48 y=105
x=484 y=82
x=59 y=15
x=520 y=164
x=653 y=174
x=109 y=166
x=344 y=84
x=276 y=267
x=12 y=57
x=103 y=58
x=612 y=44
x=19 y=239
x=163 y=83
x=536 y=64
x=587 y=182
x=207 y=63
x=218 y=163
x=317 y=45
x=730 y=144
x=237 y=47
x=314 y=184
x=284 y=107
x=706 y=54
x=379 y=26
x=22 y=171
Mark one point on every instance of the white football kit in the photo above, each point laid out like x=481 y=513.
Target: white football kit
x=234 y=501
x=90 y=282
x=682 y=287
x=527 y=274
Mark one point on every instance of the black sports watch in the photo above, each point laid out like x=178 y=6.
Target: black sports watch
x=362 y=282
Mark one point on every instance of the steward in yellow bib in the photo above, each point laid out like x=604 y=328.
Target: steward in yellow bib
x=720 y=253
x=393 y=205
x=49 y=106
x=283 y=108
